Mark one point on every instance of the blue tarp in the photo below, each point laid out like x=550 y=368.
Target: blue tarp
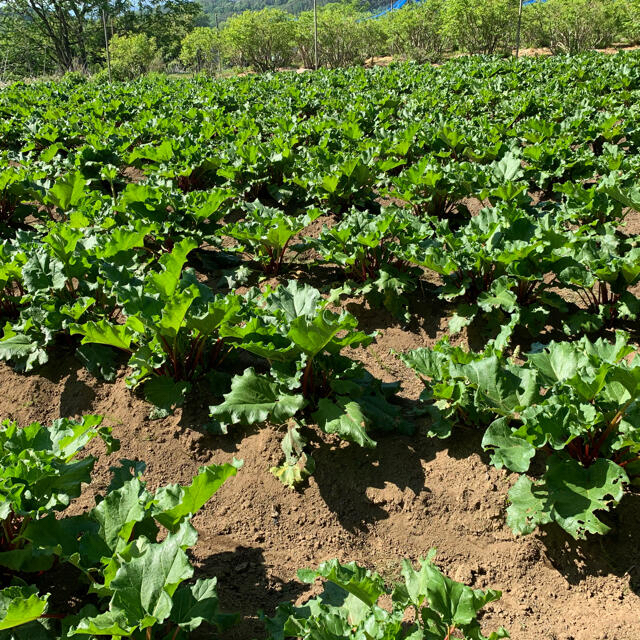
x=396 y=4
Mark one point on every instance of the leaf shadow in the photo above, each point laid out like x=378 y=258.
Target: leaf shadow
x=246 y=585
x=77 y=395
x=616 y=553
x=363 y=486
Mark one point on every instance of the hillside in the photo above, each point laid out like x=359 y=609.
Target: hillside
x=222 y=9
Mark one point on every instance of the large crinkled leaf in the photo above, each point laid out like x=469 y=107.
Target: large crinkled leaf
x=507 y=449
x=20 y=605
x=143 y=588
x=119 y=336
x=198 y=603
x=500 y=387
x=124 y=240
x=359 y=582
x=568 y=494
x=549 y=423
x=42 y=272
x=222 y=310
x=167 y=280
x=174 y=312
x=61 y=536
x=427 y=362
x=295 y=300
x=118 y=513
x=344 y=418
x=451 y=603
x=499 y=295
x=23 y=351
x=256 y=398
x=313 y=336
x=557 y=363
x=109 y=623
x=174 y=503
x=68 y=191
x=166 y=393
x=99 y=360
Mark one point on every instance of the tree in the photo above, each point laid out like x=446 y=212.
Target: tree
x=67 y=30
x=70 y=32
x=345 y=36
x=260 y=39
x=200 y=49
x=481 y=26
x=573 y=26
x=132 y=55
x=416 y=30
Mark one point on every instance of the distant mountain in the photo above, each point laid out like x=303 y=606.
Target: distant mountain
x=220 y=10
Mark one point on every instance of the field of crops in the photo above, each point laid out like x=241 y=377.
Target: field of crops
x=373 y=311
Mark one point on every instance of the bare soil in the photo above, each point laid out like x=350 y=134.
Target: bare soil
x=373 y=506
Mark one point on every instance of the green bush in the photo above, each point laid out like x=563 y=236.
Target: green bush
x=259 y=39
x=483 y=26
x=416 y=31
x=133 y=55
x=631 y=21
x=574 y=26
x=200 y=49
x=345 y=37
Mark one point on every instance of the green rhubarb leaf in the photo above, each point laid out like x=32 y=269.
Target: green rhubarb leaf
x=174 y=503
x=166 y=393
x=568 y=494
x=365 y=585
x=143 y=587
x=344 y=418
x=312 y=337
x=20 y=605
x=68 y=191
x=198 y=603
x=167 y=280
x=297 y=466
x=119 y=336
x=118 y=513
x=23 y=351
x=450 y=603
x=508 y=450
x=295 y=300
x=256 y=398
x=174 y=312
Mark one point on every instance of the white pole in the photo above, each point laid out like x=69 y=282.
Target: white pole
x=315 y=35
x=518 y=34
x=106 y=44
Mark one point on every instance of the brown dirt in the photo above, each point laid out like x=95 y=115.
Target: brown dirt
x=374 y=506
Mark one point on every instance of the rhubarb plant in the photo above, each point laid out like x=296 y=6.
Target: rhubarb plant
x=494 y=266
x=369 y=248
x=173 y=330
x=127 y=556
x=575 y=404
x=351 y=606
x=40 y=475
x=266 y=235
x=601 y=266
x=310 y=380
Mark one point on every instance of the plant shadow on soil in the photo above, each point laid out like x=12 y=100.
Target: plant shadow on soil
x=77 y=396
x=244 y=586
x=615 y=553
